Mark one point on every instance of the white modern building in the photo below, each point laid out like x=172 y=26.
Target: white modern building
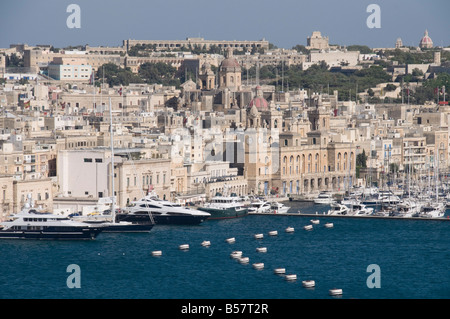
x=67 y=69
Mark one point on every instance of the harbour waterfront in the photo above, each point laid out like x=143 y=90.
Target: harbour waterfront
x=412 y=255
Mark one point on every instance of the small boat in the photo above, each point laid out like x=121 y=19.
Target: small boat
x=184 y=247
x=359 y=210
x=273 y=233
x=279 y=271
x=261 y=249
x=289 y=230
x=308 y=283
x=324 y=198
x=278 y=208
x=308 y=227
x=329 y=225
x=244 y=260
x=259 y=236
x=338 y=209
x=315 y=221
x=258 y=265
x=432 y=210
x=335 y=292
x=258 y=207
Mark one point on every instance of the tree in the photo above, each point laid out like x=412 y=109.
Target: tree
x=361 y=162
x=115 y=75
x=160 y=73
x=363 y=49
x=301 y=49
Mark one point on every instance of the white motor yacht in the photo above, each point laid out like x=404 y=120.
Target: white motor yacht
x=324 y=198
x=338 y=209
x=161 y=211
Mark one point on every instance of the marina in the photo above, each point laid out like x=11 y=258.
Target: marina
x=326 y=254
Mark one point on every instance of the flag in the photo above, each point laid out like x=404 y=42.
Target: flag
x=120 y=91
x=27 y=104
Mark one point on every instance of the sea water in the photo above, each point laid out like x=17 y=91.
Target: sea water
x=413 y=259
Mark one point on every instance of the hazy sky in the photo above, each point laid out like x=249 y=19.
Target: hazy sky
x=284 y=23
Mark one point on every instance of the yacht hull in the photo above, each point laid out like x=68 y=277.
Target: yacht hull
x=162 y=219
x=71 y=233
x=217 y=213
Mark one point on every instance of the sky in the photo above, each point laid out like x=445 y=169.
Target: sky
x=285 y=23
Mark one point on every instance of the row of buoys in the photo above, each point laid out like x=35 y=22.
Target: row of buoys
x=282 y=271
x=205 y=243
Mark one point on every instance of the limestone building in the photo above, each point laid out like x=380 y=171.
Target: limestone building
x=317 y=41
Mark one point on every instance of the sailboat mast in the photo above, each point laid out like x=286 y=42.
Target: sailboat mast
x=113 y=198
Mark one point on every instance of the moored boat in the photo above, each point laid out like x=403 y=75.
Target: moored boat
x=32 y=224
x=324 y=198
x=161 y=211
x=224 y=207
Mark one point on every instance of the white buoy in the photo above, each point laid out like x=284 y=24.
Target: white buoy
x=259 y=236
x=230 y=240
x=244 y=260
x=308 y=283
x=329 y=225
x=273 y=233
x=308 y=227
x=315 y=221
x=261 y=249
x=156 y=253
x=206 y=243
x=236 y=254
x=335 y=292
x=291 y=277
x=258 y=265
x=184 y=247
x=290 y=230
x=279 y=271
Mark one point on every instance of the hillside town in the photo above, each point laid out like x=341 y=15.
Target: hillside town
x=219 y=124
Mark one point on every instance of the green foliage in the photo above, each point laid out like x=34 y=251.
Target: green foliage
x=420 y=57
x=390 y=87
x=115 y=75
x=430 y=90
x=14 y=61
x=361 y=159
x=361 y=162
x=301 y=48
x=318 y=78
x=363 y=49
x=160 y=73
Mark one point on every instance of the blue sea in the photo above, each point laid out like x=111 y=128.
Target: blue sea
x=413 y=257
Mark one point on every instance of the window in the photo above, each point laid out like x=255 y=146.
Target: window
x=88 y=160
x=99 y=160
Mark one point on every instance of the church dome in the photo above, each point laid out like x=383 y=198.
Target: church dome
x=230 y=63
x=426 y=41
x=260 y=102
